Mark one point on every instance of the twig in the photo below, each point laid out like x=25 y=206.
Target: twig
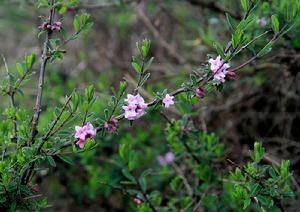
x=145 y=196
x=104 y=5
x=49 y=132
x=273 y=40
x=187 y=186
x=170 y=49
x=44 y=58
x=214 y=7
x=45 y=138
x=11 y=94
x=14 y=120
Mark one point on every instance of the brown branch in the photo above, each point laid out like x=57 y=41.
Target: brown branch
x=14 y=120
x=170 y=49
x=214 y=7
x=185 y=181
x=145 y=195
x=26 y=176
x=44 y=60
x=54 y=123
x=104 y=5
x=272 y=41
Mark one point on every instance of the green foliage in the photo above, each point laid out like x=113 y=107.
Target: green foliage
x=262 y=185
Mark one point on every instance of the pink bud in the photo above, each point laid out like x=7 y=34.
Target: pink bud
x=200 y=93
x=35 y=189
x=45 y=25
x=72 y=10
x=111 y=125
x=138 y=201
x=231 y=75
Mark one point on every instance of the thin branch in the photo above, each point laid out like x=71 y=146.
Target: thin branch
x=11 y=94
x=145 y=196
x=170 y=49
x=213 y=7
x=48 y=134
x=272 y=41
x=54 y=123
x=185 y=181
x=14 y=120
x=104 y=5
x=44 y=58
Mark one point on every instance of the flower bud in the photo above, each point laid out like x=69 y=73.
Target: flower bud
x=200 y=93
x=231 y=75
x=111 y=125
x=138 y=201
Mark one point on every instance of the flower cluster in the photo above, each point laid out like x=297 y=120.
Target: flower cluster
x=111 y=125
x=166 y=159
x=135 y=107
x=56 y=26
x=82 y=134
x=219 y=68
x=168 y=101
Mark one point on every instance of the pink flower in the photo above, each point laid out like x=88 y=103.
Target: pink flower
x=168 y=101
x=219 y=68
x=56 y=26
x=45 y=25
x=135 y=107
x=84 y=133
x=111 y=125
x=166 y=159
x=200 y=93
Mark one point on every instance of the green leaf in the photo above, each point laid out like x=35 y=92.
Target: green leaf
x=175 y=183
x=133 y=161
x=275 y=23
x=230 y=22
x=124 y=151
x=247 y=202
x=123 y=87
x=265 y=50
x=148 y=64
x=51 y=161
x=265 y=200
x=145 y=208
x=218 y=46
x=258 y=152
x=236 y=38
x=43 y=3
x=146 y=172
x=77 y=23
x=127 y=174
x=137 y=66
x=284 y=168
x=66 y=159
x=30 y=60
x=145 y=47
x=245 y=5
x=254 y=189
x=143 y=184
x=186 y=202
x=20 y=69
x=272 y=172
